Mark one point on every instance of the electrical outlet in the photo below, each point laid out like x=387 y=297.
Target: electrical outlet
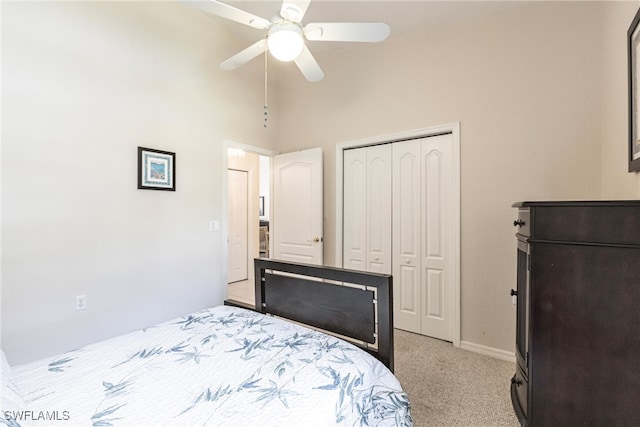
x=81 y=302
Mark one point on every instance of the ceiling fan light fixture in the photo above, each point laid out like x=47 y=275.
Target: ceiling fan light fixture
x=285 y=41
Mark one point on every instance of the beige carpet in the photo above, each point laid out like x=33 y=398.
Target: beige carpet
x=448 y=386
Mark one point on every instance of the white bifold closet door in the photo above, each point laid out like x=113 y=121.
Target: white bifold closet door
x=397 y=219
x=423 y=262
x=367 y=209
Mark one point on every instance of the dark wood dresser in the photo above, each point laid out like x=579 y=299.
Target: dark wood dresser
x=578 y=314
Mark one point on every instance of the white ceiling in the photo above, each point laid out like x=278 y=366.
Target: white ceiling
x=402 y=16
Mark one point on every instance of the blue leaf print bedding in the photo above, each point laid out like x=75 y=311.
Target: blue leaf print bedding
x=223 y=366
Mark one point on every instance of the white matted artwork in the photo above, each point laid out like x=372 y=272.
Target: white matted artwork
x=633 y=43
x=156 y=169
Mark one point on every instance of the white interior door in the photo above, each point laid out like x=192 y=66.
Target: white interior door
x=423 y=236
x=406 y=235
x=437 y=237
x=238 y=188
x=297 y=221
x=367 y=208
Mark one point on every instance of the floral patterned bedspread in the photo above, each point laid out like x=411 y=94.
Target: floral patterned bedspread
x=223 y=366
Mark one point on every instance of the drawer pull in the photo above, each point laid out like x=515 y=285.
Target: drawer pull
x=519 y=223
x=516 y=381
x=514 y=293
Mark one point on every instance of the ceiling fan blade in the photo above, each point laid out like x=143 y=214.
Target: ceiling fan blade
x=294 y=10
x=309 y=66
x=220 y=9
x=245 y=55
x=347 y=31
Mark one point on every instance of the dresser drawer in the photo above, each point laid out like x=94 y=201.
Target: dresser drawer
x=598 y=223
x=523 y=223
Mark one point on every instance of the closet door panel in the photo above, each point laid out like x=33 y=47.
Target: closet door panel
x=406 y=284
x=378 y=212
x=434 y=294
x=355 y=207
x=432 y=204
x=437 y=320
x=406 y=235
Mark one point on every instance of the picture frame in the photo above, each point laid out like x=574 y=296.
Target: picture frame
x=633 y=61
x=156 y=169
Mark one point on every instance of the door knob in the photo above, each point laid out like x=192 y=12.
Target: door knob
x=518 y=223
x=317 y=239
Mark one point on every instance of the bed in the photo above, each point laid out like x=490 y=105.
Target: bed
x=232 y=366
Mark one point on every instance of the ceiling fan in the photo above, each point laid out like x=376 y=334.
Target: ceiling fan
x=285 y=34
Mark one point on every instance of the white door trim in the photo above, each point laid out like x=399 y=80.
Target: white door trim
x=454 y=129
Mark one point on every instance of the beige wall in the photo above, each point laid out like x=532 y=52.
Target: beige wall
x=84 y=84
x=528 y=88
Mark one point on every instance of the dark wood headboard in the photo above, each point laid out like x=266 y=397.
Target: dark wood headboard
x=345 y=310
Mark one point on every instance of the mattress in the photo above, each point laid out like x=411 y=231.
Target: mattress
x=223 y=366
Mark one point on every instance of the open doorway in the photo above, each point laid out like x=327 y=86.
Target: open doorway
x=248 y=195
x=290 y=182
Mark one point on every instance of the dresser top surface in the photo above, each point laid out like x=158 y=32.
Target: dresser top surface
x=577 y=203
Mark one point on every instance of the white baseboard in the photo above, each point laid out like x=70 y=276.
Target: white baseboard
x=489 y=351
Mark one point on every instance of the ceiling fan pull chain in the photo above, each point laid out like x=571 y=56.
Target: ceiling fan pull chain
x=266 y=106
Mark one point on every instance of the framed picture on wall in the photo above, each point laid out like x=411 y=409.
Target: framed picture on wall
x=156 y=169
x=633 y=59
